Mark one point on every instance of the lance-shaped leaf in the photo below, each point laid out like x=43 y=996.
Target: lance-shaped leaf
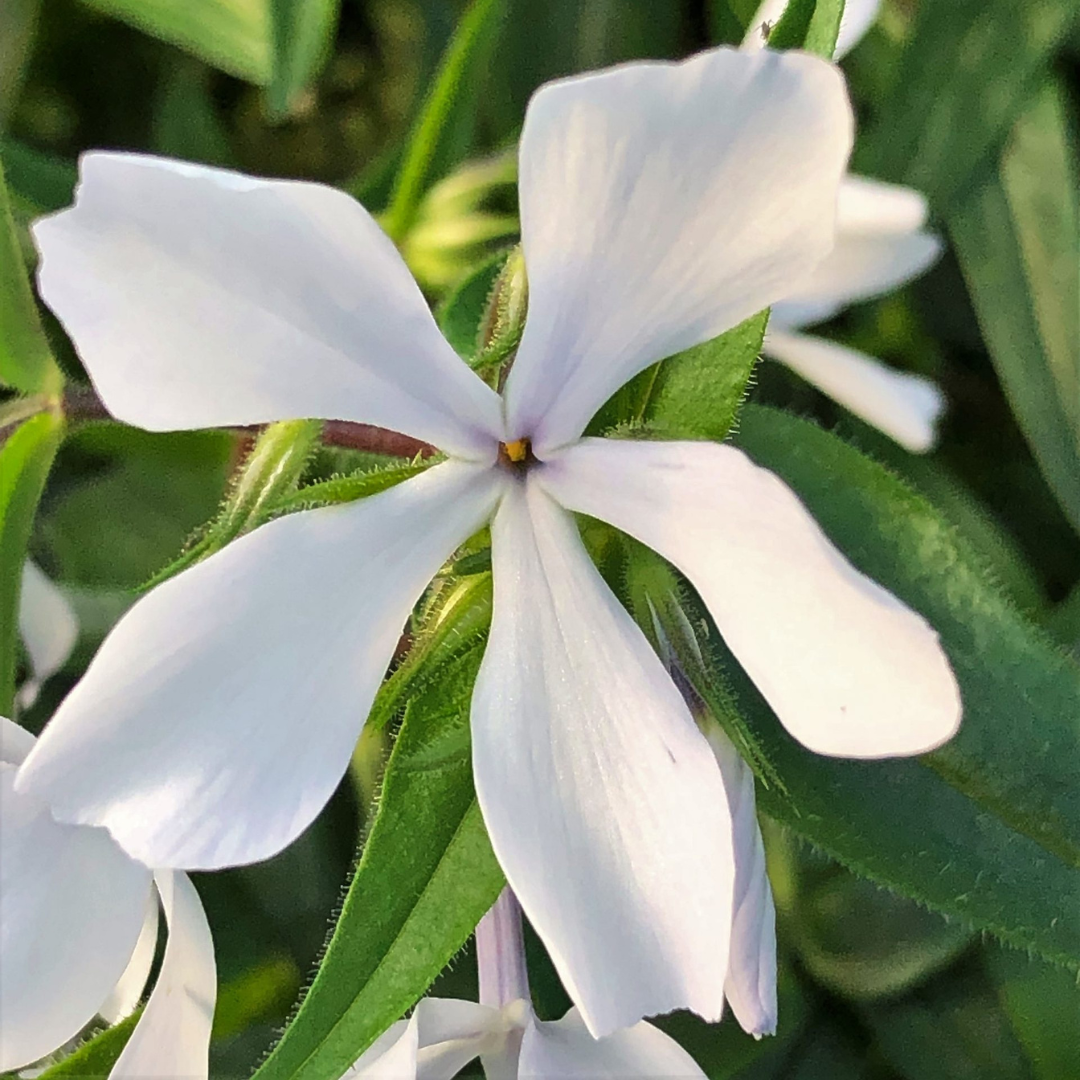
x=809 y=24
x=426 y=876
x=25 y=459
x=26 y=361
x=968 y=69
x=233 y=35
x=443 y=128
x=303 y=33
x=1017 y=238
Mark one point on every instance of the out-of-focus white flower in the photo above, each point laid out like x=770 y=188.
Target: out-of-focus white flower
x=48 y=628
x=78 y=929
x=221 y=711
x=881 y=244
x=443 y=1036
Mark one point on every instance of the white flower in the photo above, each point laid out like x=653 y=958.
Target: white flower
x=48 y=628
x=858 y=17
x=661 y=204
x=78 y=929
x=881 y=244
x=443 y=1035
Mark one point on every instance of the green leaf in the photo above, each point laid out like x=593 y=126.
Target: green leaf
x=1043 y=1006
x=141 y=496
x=452 y=96
x=953 y=1029
x=96 y=1057
x=809 y=24
x=1016 y=239
x=26 y=361
x=357 y=485
x=693 y=395
x=426 y=876
x=303 y=34
x=39 y=182
x=864 y=942
x=25 y=460
x=233 y=35
x=996 y=845
x=18 y=22
x=968 y=69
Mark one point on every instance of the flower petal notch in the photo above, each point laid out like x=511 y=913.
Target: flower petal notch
x=848 y=669
x=642 y=237
x=201 y=298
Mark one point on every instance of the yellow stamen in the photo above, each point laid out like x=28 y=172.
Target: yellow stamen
x=518 y=450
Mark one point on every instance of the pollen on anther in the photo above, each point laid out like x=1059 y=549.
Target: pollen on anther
x=517 y=451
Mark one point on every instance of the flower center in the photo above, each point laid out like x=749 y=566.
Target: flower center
x=518 y=453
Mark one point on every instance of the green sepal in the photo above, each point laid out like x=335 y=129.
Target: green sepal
x=268 y=476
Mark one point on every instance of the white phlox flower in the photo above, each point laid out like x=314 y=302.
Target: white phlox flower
x=220 y=713
x=881 y=244
x=48 y=628
x=444 y=1035
x=78 y=930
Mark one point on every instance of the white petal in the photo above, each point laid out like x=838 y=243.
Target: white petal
x=220 y=713
x=15 y=742
x=873 y=207
x=172 y=1038
x=906 y=407
x=440 y=1039
x=71 y=905
x=860 y=267
x=847 y=667
x=653 y=218
x=604 y=804
x=452 y=1033
x=392 y=1056
x=751 y=980
x=47 y=626
x=858 y=17
x=565 y=1050
x=198 y=297
x=128 y=991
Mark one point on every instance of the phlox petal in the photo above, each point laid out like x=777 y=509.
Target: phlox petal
x=661 y=204
x=750 y=987
x=71 y=907
x=198 y=297
x=219 y=715
x=847 y=667
x=603 y=801
x=566 y=1049
x=172 y=1038
x=906 y=407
